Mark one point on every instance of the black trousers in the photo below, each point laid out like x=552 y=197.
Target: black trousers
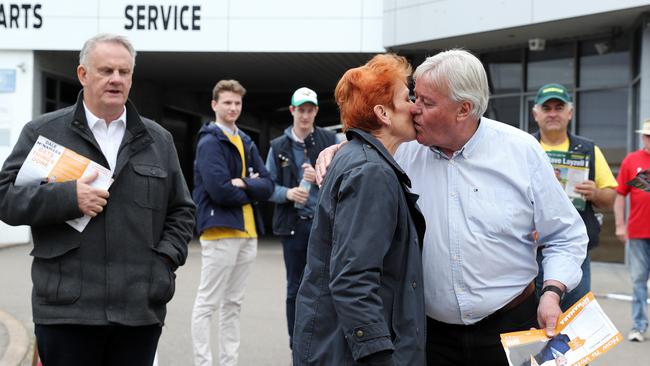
x=480 y=343
x=294 y=248
x=83 y=345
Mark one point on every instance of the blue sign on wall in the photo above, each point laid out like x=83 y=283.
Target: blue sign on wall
x=7 y=80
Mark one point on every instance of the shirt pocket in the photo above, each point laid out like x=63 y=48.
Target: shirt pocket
x=149 y=189
x=489 y=209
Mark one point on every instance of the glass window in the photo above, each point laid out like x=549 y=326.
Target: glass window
x=603 y=118
x=59 y=93
x=636 y=114
x=50 y=88
x=504 y=110
x=68 y=92
x=636 y=65
x=504 y=70
x=604 y=63
x=553 y=65
x=531 y=123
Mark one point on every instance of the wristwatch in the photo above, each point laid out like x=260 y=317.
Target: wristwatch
x=555 y=289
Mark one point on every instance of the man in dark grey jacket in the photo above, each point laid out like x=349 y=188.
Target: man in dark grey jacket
x=99 y=295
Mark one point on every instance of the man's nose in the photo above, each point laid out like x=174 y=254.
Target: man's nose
x=414 y=109
x=115 y=77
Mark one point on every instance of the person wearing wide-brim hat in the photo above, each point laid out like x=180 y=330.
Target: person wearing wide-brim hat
x=636 y=231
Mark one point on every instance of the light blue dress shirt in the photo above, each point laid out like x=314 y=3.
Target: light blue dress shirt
x=482 y=206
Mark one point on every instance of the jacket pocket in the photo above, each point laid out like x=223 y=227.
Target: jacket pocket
x=56 y=272
x=162 y=282
x=149 y=191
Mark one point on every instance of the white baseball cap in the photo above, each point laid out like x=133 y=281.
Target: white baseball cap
x=302 y=96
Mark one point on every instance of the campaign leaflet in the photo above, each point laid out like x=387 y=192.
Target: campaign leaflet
x=641 y=181
x=571 y=169
x=49 y=162
x=583 y=333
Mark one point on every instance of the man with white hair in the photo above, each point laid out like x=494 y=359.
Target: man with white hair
x=484 y=188
x=100 y=295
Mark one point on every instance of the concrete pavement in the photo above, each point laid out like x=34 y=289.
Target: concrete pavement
x=264 y=334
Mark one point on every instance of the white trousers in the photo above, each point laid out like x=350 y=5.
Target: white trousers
x=226 y=264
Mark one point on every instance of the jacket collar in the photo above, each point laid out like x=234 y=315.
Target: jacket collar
x=135 y=135
x=372 y=141
x=212 y=129
x=135 y=127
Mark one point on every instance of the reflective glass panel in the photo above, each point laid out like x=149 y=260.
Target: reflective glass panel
x=604 y=63
x=553 y=65
x=504 y=110
x=603 y=118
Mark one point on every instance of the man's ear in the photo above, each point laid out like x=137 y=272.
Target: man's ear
x=381 y=113
x=464 y=110
x=213 y=104
x=82 y=74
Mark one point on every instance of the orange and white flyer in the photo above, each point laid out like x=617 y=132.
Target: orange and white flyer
x=583 y=333
x=49 y=162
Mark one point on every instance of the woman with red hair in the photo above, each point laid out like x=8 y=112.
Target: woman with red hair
x=361 y=300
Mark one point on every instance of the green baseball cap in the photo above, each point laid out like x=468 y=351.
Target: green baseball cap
x=552 y=91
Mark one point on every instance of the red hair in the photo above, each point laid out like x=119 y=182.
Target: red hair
x=362 y=88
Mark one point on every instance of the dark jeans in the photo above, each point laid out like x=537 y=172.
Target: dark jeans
x=294 y=248
x=577 y=293
x=479 y=343
x=83 y=345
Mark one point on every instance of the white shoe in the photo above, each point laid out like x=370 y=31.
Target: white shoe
x=635 y=336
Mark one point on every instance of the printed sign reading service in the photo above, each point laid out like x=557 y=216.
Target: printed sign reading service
x=163 y=17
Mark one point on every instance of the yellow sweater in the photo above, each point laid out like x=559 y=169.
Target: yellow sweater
x=250 y=231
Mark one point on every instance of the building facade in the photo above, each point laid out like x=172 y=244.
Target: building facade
x=599 y=49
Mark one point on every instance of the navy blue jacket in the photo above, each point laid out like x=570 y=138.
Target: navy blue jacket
x=362 y=290
x=217 y=162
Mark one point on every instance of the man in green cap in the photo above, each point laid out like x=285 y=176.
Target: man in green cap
x=553 y=111
x=290 y=162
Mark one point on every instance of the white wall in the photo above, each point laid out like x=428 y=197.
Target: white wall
x=222 y=25
x=15 y=110
x=412 y=21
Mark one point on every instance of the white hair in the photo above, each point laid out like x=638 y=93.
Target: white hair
x=105 y=38
x=461 y=74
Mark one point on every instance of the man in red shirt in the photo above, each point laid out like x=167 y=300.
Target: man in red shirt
x=636 y=232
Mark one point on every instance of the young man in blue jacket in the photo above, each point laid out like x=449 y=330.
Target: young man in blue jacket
x=230 y=178
x=290 y=162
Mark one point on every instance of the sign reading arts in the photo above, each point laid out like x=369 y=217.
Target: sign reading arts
x=20 y=16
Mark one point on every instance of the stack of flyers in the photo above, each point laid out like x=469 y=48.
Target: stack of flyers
x=583 y=333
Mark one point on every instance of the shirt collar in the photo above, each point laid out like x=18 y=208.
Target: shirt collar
x=227 y=130
x=93 y=120
x=298 y=139
x=469 y=147
x=473 y=142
